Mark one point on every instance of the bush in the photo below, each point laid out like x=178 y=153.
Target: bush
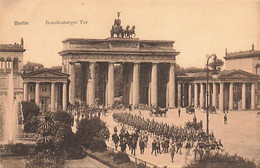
x=141 y=165
x=30 y=115
x=97 y=145
x=91 y=129
x=76 y=152
x=120 y=158
x=222 y=160
x=63 y=118
x=18 y=149
x=45 y=159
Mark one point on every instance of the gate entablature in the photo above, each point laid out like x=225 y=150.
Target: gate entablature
x=119 y=50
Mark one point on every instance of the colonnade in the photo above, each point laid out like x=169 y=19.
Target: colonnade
x=52 y=97
x=135 y=97
x=220 y=94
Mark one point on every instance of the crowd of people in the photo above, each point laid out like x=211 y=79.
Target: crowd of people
x=166 y=138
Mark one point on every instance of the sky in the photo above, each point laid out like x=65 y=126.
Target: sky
x=198 y=28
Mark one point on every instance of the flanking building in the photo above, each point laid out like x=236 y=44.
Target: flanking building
x=236 y=88
x=11 y=59
x=47 y=89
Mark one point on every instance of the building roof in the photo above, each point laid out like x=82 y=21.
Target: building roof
x=243 y=54
x=235 y=74
x=46 y=75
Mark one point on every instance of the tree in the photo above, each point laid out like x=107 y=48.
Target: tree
x=47 y=130
x=219 y=63
x=31 y=66
x=56 y=68
x=63 y=118
x=179 y=70
x=90 y=131
x=30 y=115
x=194 y=70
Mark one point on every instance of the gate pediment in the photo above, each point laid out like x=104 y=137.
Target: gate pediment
x=45 y=73
x=238 y=74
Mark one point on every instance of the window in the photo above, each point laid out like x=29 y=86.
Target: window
x=2 y=62
x=15 y=64
x=44 y=88
x=32 y=88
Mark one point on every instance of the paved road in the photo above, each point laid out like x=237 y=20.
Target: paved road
x=87 y=162
x=241 y=135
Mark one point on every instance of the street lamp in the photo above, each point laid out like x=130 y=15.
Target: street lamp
x=214 y=76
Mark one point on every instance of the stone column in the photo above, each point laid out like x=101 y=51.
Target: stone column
x=221 y=96
x=64 y=96
x=25 y=88
x=52 y=96
x=91 y=83
x=171 y=97
x=243 y=96
x=179 y=95
x=201 y=95
x=4 y=65
x=110 y=85
x=253 y=96
x=37 y=93
x=154 y=85
x=136 y=83
x=214 y=96
x=231 y=96
x=190 y=98
x=72 y=83
x=195 y=95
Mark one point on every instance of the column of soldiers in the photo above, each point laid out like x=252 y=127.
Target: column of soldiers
x=164 y=136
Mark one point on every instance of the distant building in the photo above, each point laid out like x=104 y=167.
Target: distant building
x=245 y=60
x=11 y=58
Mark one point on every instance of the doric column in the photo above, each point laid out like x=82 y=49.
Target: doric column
x=214 y=95
x=4 y=65
x=91 y=83
x=231 y=96
x=243 y=96
x=72 y=83
x=253 y=96
x=64 y=96
x=195 y=95
x=25 y=88
x=221 y=96
x=190 y=98
x=201 y=95
x=172 y=86
x=136 y=83
x=37 y=93
x=154 y=85
x=110 y=82
x=52 y=96
x=179 y=95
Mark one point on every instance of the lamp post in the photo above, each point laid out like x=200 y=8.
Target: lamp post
x=207 y=85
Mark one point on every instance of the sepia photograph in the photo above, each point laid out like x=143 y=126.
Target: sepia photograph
x=129 y=84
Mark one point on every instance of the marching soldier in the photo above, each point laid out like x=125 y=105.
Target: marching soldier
x=172 y=151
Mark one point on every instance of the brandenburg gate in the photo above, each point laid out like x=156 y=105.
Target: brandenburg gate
x=148 y=68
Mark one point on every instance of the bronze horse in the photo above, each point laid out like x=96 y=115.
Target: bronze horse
x=120 y=32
